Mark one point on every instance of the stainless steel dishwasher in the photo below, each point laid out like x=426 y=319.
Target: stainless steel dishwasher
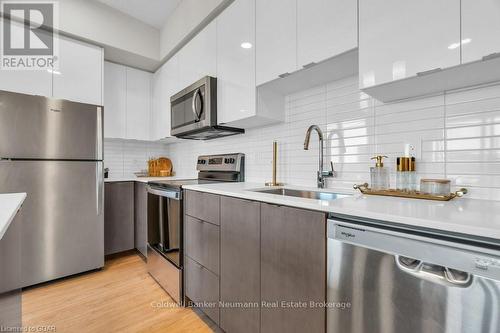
x=388 y=280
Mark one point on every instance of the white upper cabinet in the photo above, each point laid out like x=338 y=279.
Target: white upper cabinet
x=78 y=72
x=36 y=82
x=32 y=82
x=165 y=84
x=402 y=38
x=480 y=29
x=115 y=100
x=276 y=38
x=236 y=62
x=325 y=28
x=170 y=82
x=138 y=104
x=198 y=57
x=156 y=110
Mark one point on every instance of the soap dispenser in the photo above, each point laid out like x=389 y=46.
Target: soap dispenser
x=379 y=174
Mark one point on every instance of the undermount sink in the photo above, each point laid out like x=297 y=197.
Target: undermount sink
x=303 y=194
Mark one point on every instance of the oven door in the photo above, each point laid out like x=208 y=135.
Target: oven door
x=194 y=107
x=165 y=228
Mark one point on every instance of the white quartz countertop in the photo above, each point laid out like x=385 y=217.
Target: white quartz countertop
x=9 y=205
x=140 y=179
x=480 y=218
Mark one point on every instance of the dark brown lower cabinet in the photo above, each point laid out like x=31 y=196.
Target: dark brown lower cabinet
x=202 y=288
x=118 y=217
x=240 y=265
x=293 y=269
x=141 y=217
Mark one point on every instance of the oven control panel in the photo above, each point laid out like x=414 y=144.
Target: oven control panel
x=225 y=162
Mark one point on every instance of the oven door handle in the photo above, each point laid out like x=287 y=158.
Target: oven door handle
x=166 y=194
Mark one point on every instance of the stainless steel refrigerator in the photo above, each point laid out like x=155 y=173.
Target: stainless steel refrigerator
x=52 y=150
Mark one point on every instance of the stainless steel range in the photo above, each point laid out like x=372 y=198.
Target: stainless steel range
x=165 y=217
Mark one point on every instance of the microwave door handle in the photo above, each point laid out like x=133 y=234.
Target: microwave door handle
x=196 y=95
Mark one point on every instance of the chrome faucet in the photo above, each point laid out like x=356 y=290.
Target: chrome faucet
x=321 y=174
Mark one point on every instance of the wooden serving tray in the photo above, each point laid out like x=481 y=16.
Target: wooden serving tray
x=363 y=188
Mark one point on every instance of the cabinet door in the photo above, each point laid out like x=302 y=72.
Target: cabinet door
x=170 y=82
x=198 y=57
x=165 y=82
x=202 y=287
x=240 y=264
x=325 y=28
x=115 y=98
x=78 y=72
x=480 y=22
x=156 y=107
x=400 y=38
x=118 y=217
x=36 y=82
x=202 y=243
x=236 y=62
x=141 y=217
x=293 y=264
x=276 y=36
x=138 y=104
x=203 y=206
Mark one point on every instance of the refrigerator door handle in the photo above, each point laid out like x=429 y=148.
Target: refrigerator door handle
x=99 y=187
x=99 y=130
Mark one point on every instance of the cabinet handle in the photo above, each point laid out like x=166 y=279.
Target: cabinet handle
x=491 y=56
x=431 y=71
x=284 y=75
x=311 y=64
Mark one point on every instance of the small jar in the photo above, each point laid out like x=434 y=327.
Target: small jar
x=435 y=186
x=403 y=174
x=412 y=176
x=400 y=174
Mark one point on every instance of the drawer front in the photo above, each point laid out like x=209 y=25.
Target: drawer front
x=203 y=206
x=202 y=286
x=202 y=243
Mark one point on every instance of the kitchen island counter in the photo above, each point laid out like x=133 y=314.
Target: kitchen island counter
x=9 y=205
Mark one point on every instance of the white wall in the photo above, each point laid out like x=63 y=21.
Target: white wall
x=124 y=157
x=457 y=136
x=125 y=39
x=102 y=24
x=186 y=18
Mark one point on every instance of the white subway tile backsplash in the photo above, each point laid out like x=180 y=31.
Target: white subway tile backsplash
x=456 y=135
x=124 y=157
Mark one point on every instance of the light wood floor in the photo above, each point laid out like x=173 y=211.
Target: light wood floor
x=118 y=298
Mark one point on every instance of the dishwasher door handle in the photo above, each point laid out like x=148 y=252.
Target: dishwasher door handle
x=434 y=273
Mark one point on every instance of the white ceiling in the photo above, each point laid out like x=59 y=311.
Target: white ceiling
x=152 y=12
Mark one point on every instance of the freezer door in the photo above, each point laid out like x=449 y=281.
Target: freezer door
x=37 y=127
x=62 y=218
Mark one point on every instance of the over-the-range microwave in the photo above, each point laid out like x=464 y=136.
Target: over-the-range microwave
x=194 y=112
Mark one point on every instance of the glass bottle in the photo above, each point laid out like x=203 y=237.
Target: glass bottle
x=379 y=175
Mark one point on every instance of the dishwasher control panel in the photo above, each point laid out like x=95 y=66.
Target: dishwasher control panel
x=450 y=255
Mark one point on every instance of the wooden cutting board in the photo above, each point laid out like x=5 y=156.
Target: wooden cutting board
x=160 y=167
